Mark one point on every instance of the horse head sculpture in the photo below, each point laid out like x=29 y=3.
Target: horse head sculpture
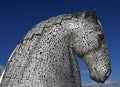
x=89 y=43
x=46 y=55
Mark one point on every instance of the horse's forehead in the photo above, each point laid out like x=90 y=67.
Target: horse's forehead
x=73 y=24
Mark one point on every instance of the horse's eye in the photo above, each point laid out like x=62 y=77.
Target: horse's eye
x=101 y=36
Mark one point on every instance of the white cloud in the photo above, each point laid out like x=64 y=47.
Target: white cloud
x=106 y=84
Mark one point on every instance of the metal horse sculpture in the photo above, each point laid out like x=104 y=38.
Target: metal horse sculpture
x=46 y=55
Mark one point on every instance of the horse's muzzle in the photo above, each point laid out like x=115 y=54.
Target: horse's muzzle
x=98 y=77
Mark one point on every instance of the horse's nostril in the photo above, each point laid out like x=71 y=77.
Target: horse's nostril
x=107 y=74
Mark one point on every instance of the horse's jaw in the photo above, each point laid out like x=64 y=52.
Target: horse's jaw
x=98 y=64
x=98 y=77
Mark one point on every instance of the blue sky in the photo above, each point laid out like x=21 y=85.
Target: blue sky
x=17 y=18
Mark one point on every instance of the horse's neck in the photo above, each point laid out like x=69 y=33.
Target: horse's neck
x=38 y=35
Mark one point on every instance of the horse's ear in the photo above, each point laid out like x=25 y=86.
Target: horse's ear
x=85 y=14
x=94 y=12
